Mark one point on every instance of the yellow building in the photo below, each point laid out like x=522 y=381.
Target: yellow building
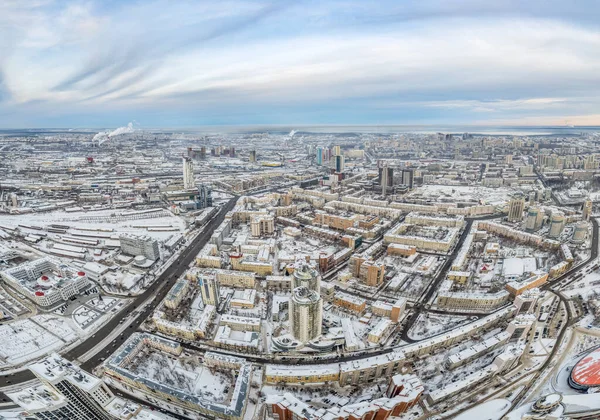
x=301 y=374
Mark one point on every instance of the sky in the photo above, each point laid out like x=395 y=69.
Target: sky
x=164 y=63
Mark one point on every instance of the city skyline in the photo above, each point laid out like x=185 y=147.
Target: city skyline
x=103 y=64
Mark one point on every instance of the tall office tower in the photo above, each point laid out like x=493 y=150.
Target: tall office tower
x=338 y=163
x=336 y=151
x=532 y=196
x=306 y=314
x=587 y=209
x=204 y=197
x=383 y=178
x=203 y=152
x=209 y=289
x=557 y=224
x=305 y=276
x=516 y=205
x=535 y=217
x=67 y=392
x=408 y=176
x=252 y=157
x=319 y=155
x=232 y=152
x=326 y=155
x=188 y=173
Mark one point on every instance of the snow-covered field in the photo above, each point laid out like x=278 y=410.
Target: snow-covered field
x=105 y=219
x=31 y=338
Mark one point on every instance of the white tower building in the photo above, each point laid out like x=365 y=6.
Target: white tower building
x=188 y=173
x=306 y=314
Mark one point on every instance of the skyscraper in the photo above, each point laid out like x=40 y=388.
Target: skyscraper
x=386 y=178
x=306 y=314
x=188 y=173
x=305 y=276
x=209 y=288
x=587 y=209
x=339 y=163
x=535 y=217
x=408 y=176
x=516 y=206
x=557 y=224
x=71 y=393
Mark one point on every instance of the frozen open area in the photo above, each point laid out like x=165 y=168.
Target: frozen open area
x=31 y=338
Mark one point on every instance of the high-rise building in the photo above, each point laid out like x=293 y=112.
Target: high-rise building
x=323 y=156
x=386 y=178
x=580 y=232
x=372 y=273
x=408 y=176
x=535 y=217
x=319 y=155
x=557 y=224
x=67 y=392
x=306 y=314
x=516 y=206
x=262 y=225
x=338 y=161
x=336 y=150
x=252 y=156
x=305 y=276
x=188 y=173
x=204 y=198
x=209 y=289
x=139 y=245
x=587 y=209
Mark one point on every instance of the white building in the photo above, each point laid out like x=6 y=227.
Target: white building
x=140 y=245
x=306 y=314
x=188 y=173
x=67 y=392
x=45 y=281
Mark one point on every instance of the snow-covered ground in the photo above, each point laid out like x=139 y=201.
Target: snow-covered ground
x=34 y=337
x=489 y=410
x=430 y=324
x=112 y=219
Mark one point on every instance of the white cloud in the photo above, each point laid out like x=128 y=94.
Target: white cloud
x=154 y=54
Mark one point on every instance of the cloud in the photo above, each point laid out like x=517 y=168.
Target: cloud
x=239 y=61
x=147 y=47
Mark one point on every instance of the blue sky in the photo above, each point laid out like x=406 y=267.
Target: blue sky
x=191 y=63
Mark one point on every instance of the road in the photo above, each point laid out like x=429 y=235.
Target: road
x=571 y=320
x=434 y=285
x=158 y=289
